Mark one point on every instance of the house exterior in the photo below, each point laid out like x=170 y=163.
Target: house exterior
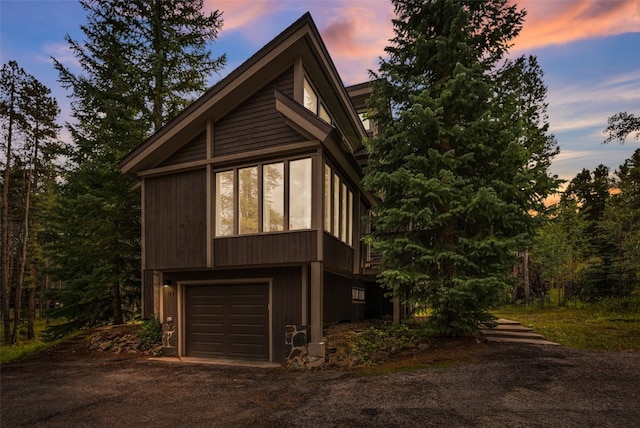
x=252 y=207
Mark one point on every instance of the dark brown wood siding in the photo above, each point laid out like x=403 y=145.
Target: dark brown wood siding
x=286 y=296
x=337 y=254
x=359 y=307
x=256 y=124
x=277 y=248
x=194 y=150
x=175 y=220
x=337 y=298
x=147 y=294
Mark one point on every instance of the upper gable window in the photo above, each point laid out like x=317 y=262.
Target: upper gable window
x=310 y=97
x=324 y=114
x=313 y=103
x=365 y=122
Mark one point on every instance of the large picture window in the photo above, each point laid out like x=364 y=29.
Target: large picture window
x=273 y=197
x=252 y=199
x=338 y=206
x=248 y=200
x=327 y=197
x=300 y=194
x=335 y=228
x=224 y=203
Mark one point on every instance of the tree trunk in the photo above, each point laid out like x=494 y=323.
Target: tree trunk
x=22 y=264
x=31 y=331
x=525 y=275
x=6 y=285
x=44 y=303
x=25 y=241
x=116 y=301
x=17 y=304
x=515 y=271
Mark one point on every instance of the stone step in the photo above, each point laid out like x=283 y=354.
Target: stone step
x=502 y=321
x=514 y=334
x=511 y=327
x=520 y=340
x=507 y=325
x=507 y=331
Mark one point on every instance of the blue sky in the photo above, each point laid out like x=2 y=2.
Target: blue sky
x=589 y=51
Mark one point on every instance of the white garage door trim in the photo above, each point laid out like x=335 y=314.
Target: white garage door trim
x=182 y=309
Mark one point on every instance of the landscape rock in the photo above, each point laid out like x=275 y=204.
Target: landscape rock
x=121 y=340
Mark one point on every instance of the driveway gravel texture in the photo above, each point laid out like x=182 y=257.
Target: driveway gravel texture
x=484 y=385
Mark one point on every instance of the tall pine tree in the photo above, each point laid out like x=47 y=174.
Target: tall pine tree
x=461 y=159
x=12 y=81
x=624 y=215
x=142 y=62
x=589 y=193
x=28 y=116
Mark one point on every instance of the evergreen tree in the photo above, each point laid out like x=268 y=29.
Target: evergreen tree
x=621 y=125
x=622 y=224
x=40 y=113
x=559 y=246
x=461 y=159
x=12 y=81
x=28 y=116
x=143 y=62
x=590 y=194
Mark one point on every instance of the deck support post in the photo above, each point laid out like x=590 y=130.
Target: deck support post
x=316 y=345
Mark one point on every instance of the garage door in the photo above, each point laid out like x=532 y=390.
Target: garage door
x=227 y=321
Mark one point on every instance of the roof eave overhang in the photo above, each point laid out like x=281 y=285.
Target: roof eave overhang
x=299 y=40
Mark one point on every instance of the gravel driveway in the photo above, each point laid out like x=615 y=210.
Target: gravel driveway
x=504 y=386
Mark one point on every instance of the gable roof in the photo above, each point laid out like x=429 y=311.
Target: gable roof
x=300 y=40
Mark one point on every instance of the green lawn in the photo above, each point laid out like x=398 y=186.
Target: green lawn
x=612 y=325
x=24 y=347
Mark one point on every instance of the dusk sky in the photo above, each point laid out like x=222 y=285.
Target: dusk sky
x=589 y=51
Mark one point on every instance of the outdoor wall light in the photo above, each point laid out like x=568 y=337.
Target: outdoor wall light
x=167 y=283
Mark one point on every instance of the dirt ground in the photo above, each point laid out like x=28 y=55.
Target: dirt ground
x=461 y=383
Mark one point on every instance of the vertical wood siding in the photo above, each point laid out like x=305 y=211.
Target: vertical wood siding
x=286 y=296
x=337 y=254
x=147 y=294
x=286 y=247
x=194 y=150
x=256 y=124
x=338 y=305
x=175 y=221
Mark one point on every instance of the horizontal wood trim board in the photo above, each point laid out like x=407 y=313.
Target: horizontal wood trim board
x=248 y=156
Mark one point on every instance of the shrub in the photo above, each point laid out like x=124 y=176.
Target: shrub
x=389 y=339
x=151 y=331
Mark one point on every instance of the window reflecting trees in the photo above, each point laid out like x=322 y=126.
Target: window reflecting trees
x=252 y=199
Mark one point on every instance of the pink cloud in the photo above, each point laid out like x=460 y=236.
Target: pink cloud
x=356 y=34
x=357 y=31
x=559 y=22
